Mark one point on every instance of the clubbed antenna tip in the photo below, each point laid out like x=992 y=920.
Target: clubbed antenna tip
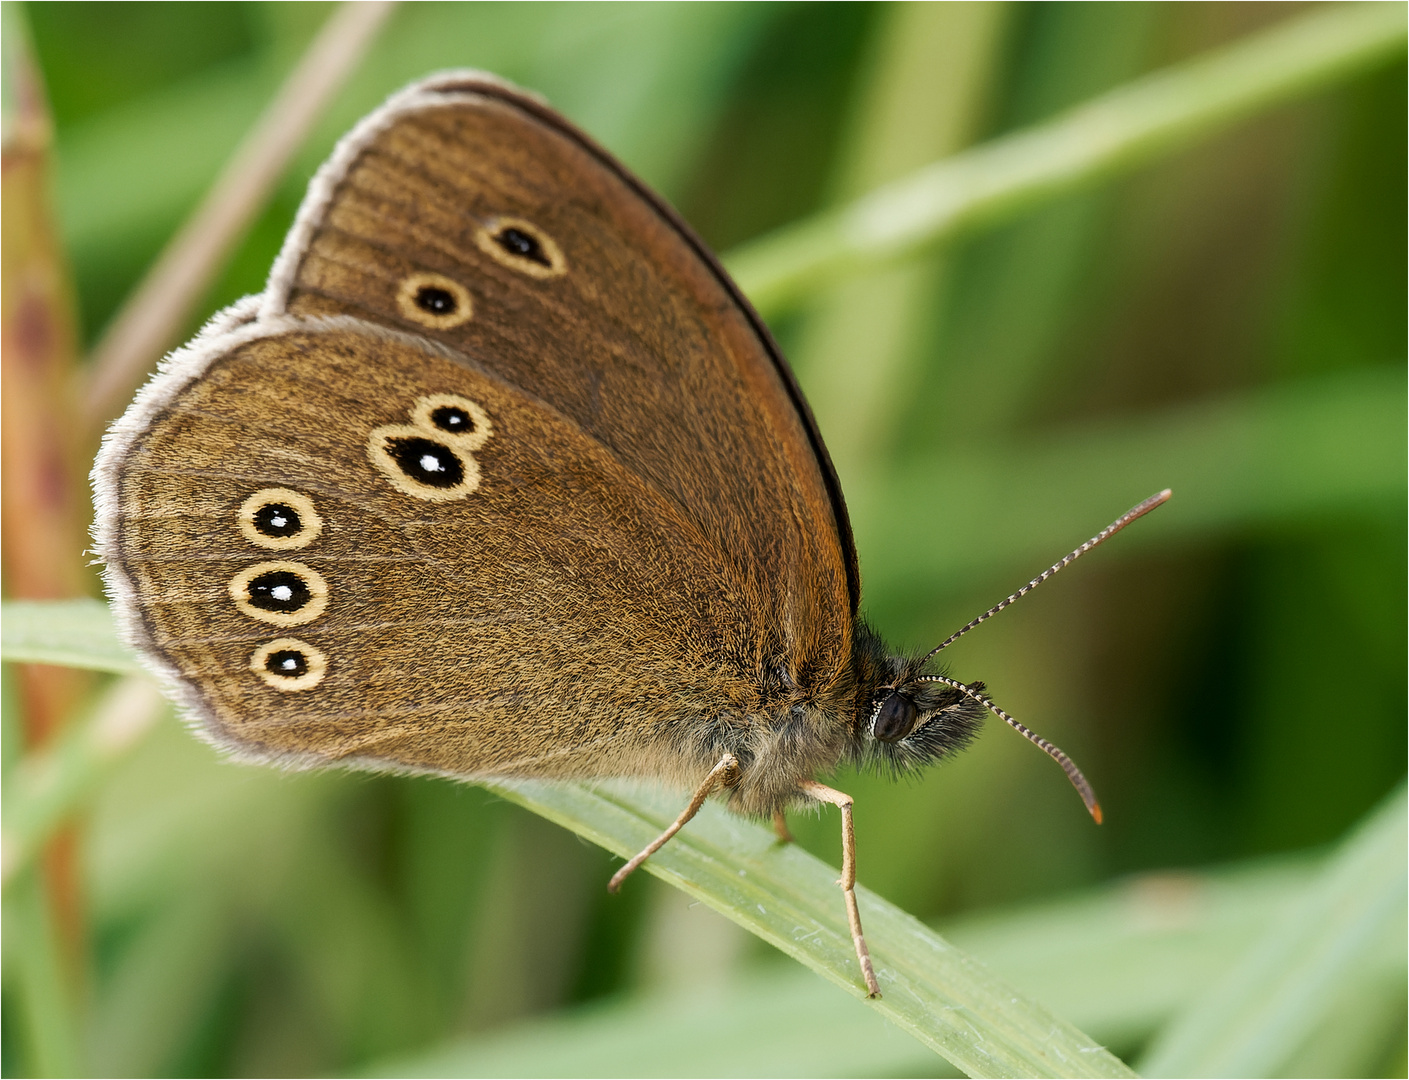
x=1078 y=780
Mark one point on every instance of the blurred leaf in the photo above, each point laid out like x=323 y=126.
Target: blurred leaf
x=137 y=168
x=1113 y=133
x=1297 y=452
x=1348 y=927
x=98 y=54
x=47 y=1019
x=791 y=900
x=161 y=982
x=1123 y=958
x=1019 y=289
x=74 y=633
x=931 y=74
x=775 y=1023
x=646 y=79
x=47 y=784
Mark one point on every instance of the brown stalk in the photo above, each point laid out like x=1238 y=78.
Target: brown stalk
x=42 y=493
x=155 y=315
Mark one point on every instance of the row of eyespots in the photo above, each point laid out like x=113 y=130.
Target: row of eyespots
x=442 y=303
x=282 y=592
x=431 y=458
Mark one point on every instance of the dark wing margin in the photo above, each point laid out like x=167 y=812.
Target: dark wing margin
x=503 y=91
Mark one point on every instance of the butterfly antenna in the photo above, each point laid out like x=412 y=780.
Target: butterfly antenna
x=1101 y=537
x=1078 y=781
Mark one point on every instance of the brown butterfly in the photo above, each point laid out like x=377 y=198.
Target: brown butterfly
x=502 y=476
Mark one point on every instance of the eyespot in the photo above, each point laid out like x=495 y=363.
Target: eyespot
x=453 y=419
x=895 y=718
x=422 y=463
x=434 y=300
x=280 y=593
x=289 y=664
x=279 y=519
x=427 y=461
x=522 y=246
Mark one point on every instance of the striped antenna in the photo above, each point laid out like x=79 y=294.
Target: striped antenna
x=1100 y=538
x=1078 y=781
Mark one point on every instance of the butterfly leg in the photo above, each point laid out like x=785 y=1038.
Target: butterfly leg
x=780 y=826
x=822 y=793
x=719 y=776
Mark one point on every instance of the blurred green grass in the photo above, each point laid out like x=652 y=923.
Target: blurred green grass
x=1228 y=319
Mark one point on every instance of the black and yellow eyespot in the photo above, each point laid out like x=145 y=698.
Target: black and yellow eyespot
x=289 y=664
x=453 y=418
x=280 y=593
x=434 y=300
x=422 y=463
x=279 y=519
x=522 y=246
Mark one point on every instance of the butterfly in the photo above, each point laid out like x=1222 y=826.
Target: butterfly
x=501 y=476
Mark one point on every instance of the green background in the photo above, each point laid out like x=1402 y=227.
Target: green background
x=1229 y=674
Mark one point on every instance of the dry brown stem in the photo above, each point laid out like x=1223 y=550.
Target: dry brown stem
x=43 y=496
x=158 y=310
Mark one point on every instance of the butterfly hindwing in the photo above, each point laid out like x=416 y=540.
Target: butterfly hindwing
x=520 y=626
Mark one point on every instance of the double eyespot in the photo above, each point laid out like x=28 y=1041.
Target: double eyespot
x=432 y=457
x=282 y=592
x=523 y=246
x=440 y=303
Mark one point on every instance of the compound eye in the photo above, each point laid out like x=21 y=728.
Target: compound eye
x=895 y=719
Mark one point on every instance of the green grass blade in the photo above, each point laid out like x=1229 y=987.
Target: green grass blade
x=932 y=70
x=778 y=1023
x=1137 y=122
x=48 y=784
x=1123 y=958
x=1348 y=924
x=44 y=1017
x=947 y=1000
x=783 y=894
x=70 y=633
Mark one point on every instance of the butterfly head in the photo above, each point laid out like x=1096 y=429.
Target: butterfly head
x=905 y=719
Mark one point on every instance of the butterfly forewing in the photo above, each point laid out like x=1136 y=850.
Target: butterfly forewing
x=637 y=337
